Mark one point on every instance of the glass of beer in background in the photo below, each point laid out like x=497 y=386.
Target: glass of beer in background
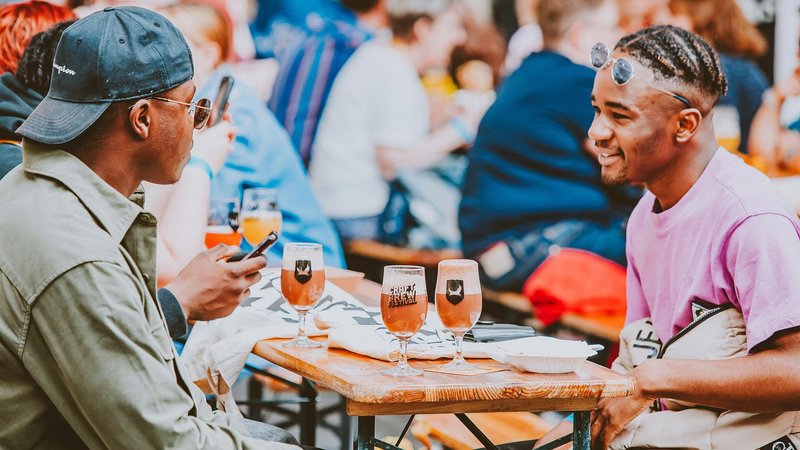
x=223 y=223
x=404 y=306
x=459 y=303
x=302 y=283
x=260 y=214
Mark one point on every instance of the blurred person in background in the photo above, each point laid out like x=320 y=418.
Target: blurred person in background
x=377 y=118
x=308 y=68
x=19 y=22
x=533 y=184
x=528 y=37
x=738 y=42
x=776 y=144
x=262 y=155
x=635 y=15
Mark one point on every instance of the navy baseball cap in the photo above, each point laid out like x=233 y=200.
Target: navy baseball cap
x=113 y=55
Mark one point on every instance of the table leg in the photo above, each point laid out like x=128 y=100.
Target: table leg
x=366 y=431
x=582 y=433
x=308 y=413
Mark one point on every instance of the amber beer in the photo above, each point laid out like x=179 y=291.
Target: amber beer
x=459 y=303
x=302 y=284
x=222 y=234
x=258 y=226
x=460 y=317
x=300 y=293
x=404 y=310
x=404 y=306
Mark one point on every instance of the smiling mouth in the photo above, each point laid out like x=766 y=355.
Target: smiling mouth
x=608 y=155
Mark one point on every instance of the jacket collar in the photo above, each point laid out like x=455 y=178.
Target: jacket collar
x=113 y=211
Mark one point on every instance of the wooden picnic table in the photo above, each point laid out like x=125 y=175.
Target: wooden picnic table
x=370 y=394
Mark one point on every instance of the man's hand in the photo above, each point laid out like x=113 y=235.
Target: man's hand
x=210 y=288
x=612 y=414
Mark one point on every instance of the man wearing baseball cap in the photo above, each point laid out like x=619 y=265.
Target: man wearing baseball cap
x=86 y=357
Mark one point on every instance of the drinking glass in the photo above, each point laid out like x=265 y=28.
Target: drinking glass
x=260 y=214
x=726 y=127
x=404 y=306
x=302 y=283
x=223 y=223
x=459 y=304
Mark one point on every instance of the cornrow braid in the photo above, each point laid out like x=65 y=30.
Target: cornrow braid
x=674 y=54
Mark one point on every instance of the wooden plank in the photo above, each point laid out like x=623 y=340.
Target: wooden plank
x=471 y=406
x=511 y=300
x=604 y=327
x=500 y=427
x=349 y=280
x=399 y=255
x=359 y=379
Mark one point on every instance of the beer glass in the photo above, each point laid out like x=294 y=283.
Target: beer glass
x=223 y=223
x=260 y=214
x=459 y=304
x=404 y=306
x=302 y=283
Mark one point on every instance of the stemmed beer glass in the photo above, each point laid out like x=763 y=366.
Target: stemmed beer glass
x=302 y=283
x=404 y=306
x=459 y=304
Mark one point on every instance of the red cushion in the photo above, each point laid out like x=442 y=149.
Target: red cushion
x=576 y=281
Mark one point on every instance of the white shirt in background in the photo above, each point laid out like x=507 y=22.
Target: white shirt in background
x=377 y=100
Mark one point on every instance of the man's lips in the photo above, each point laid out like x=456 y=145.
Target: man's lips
x=609 y=154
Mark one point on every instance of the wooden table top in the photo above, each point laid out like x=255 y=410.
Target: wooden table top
x=357 y=378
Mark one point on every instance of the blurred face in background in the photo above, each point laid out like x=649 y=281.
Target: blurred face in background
x=600 y=25
x=207 y=32
x=437 y=37
x=636 y=15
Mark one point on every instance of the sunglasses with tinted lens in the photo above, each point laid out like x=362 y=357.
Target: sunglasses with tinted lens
x=199 y=110
x=622 y=70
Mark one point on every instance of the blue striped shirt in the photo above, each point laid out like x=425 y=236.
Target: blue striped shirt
x=305 y=77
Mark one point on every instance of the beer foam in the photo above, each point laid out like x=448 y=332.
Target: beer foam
x=404 y=280
x=219 y=229
x=263 y=215
x=316 y=259
x=465 y=270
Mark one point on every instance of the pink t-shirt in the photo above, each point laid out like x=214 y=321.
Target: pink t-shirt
x=730 y=239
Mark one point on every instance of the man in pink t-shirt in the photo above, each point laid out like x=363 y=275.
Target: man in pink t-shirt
x=710 y=232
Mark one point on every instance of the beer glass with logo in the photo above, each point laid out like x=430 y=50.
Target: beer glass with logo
x=260 y=214
x=302 y=283
x=459 y=303
x=404 y=306
x=223 y=223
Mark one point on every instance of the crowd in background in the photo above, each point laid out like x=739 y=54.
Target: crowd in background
x=414 y=122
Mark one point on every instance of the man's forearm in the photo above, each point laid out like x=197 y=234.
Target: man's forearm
x=763 y=382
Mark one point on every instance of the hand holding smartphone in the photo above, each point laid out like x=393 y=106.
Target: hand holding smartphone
x=262 y=247
x=221 y=101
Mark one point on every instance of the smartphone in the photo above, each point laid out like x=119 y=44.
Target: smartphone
x=221 y=101
x=262 y=247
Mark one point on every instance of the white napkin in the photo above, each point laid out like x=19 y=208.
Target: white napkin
x=216 y=351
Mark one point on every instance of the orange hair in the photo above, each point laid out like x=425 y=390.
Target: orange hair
x=723 y=24
x=203 y=21
x=19 y=22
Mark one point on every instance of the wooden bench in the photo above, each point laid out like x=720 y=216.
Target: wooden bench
x=399 y=255
x=516 y=308
x=370 y=257
x=500 y=427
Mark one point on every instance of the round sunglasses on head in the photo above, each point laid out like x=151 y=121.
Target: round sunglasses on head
x=622 y=70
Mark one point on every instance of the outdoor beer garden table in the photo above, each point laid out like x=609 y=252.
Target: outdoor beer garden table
x=371 y=394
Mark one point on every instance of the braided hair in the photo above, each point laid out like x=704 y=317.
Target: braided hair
x=679 y=56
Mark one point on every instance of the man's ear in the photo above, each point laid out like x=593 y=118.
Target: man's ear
x=688 y=124
x=139 y=118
